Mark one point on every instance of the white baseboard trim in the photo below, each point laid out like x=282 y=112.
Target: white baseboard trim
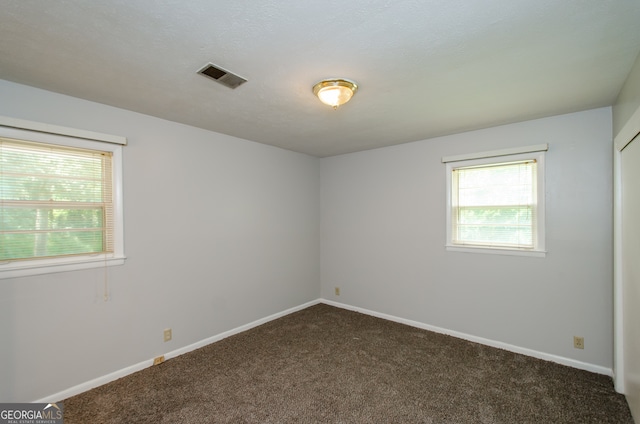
x=238 y=330
x=83 y=387
x=500 y=345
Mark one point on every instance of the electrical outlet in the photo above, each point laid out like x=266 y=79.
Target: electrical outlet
x=337 y=291
x=158 y=360
x=578 y=342
x=167 y=334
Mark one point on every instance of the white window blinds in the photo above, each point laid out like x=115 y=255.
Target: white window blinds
x=495 y=205
x=54 y=201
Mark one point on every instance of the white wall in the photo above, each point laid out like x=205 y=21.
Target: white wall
x=245 y=245
x=383 y=237
x=249 y=245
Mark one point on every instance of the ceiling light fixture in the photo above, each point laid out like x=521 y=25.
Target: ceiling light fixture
x=335 y=92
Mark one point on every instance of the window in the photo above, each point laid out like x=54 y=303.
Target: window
x=495 y=202
x=60 y=201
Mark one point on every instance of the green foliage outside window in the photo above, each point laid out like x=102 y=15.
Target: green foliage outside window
x=53 y=200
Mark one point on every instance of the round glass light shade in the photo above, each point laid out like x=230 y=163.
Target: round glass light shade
x=335 y=92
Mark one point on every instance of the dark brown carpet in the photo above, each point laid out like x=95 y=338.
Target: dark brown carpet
x=328 y=365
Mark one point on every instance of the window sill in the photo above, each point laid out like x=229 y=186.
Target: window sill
x=50 y=266
x=497 y=251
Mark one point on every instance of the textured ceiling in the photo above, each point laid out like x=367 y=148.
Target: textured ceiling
x=425 y=67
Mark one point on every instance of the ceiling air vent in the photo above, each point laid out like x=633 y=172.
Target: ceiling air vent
x=223 y=76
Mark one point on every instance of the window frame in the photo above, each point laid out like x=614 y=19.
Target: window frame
x=497 y=157
x=71 y=137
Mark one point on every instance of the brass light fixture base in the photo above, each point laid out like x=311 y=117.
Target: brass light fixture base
x=335 y=91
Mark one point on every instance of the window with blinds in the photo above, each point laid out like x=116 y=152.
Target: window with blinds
x=495 y=201
x=494 y=205
x=55 y=201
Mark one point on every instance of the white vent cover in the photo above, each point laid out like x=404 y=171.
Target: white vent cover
x=221 y=75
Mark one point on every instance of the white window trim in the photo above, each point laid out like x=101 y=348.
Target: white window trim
x=21 y=124
x=45 y=133
x=496 y=156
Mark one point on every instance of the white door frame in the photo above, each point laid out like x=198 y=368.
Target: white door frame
x=628 y=133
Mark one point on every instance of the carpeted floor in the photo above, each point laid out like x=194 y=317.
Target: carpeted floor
x=328 y=365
